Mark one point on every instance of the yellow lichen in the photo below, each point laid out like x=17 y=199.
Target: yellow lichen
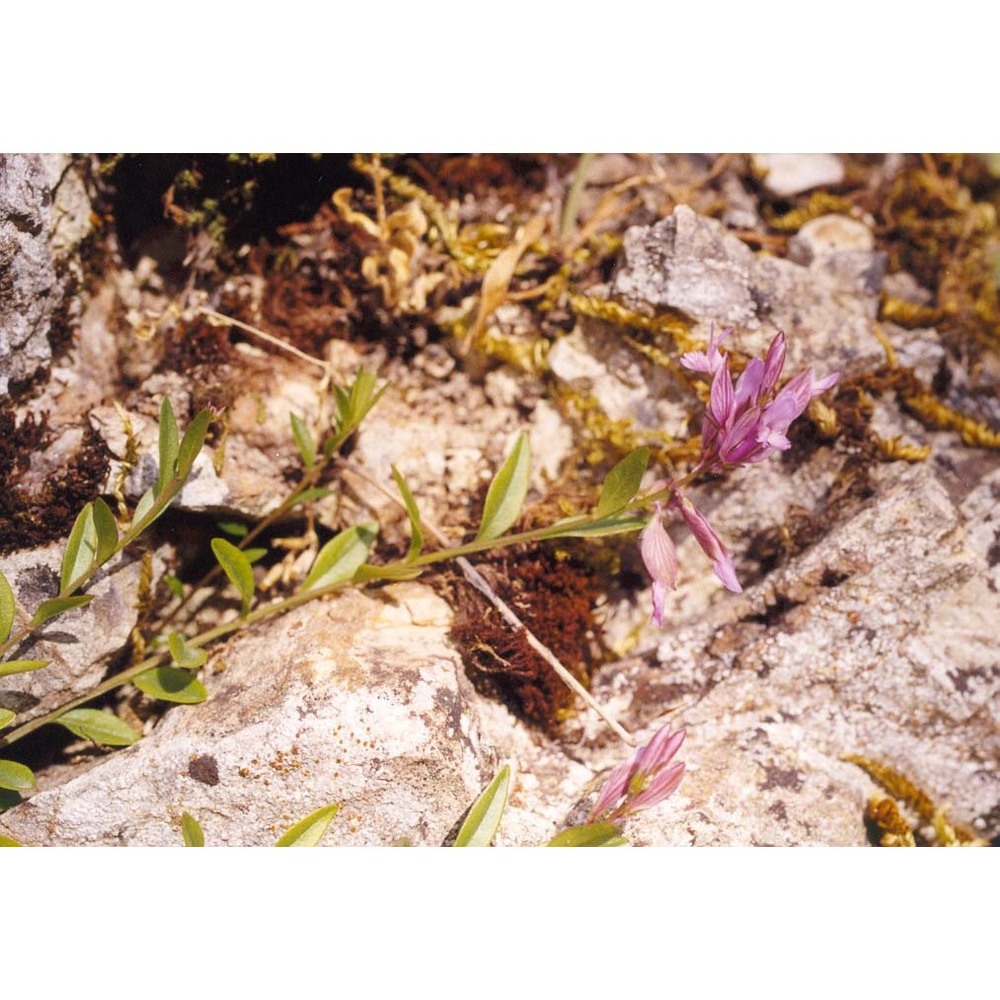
x=925 y=405
x=884 y=812
x=820 y=203
x=615 y=312
x=895 y=449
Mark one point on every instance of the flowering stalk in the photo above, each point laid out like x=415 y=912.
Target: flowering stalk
x=745 y=423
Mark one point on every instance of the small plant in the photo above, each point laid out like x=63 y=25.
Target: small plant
x=746 y=421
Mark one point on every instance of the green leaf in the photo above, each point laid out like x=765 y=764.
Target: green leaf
x=188 y=657
x=352 y=408
x=81 y=549
x=6 y=717
x=341 y=557
x=308 y=832
x=191 y=443
x=253 y=555
x=590 y=835
x=58 y=605
x=143 y=507
x=235 y=528
x=171 y=684
x=8 y=842
x=507 y=492
x=7 y=606
x=168 y=445
x=481 y=824
x=173 y=584
x=616 y=524
x=9 y=799
x=20 y=666
x=312 y=493
x=237 y=567
x=623 y=482
x=107 y=531
x=101 y=727
x=191 y=829
x=16 y=777
x=416 y=530
x=304 y=440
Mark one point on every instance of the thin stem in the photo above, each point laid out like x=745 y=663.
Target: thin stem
x=124 y=676
x=268 y=337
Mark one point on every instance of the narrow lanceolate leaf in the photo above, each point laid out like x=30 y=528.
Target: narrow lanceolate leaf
x=590 y=835
x=20 y=666
x=101 y=727
x=235 y=528
x=237 y=567
x=6 y=717
x=6 y=608
x=10 y=842
x=507 y=492
x=341 y=557
x=254 y=554
x=481 y=824
x=623 y=482
x=16 y=777
x=168 y=445
x=308 y=832
x=81 y=549
x=416 y=530
x=143 y=507
x=616 y=524
x=191 y=443
x=191 y=829
x=304 y=441
x=171 y=684
x=58 y=605
x=188 y=657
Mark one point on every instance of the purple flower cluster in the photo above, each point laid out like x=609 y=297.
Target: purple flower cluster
x=745 y=423
x=646 y=778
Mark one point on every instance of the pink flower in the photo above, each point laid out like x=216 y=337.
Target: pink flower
x=645 y=779
x=660 y=558
x=707 y=361
x=748 y=422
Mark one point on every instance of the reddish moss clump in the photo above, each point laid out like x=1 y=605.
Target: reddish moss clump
x=29 y=520
x=554 y=597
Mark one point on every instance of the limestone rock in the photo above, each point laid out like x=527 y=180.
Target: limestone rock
x=77 y=642
x=788 y=174
x=357 y=700
x=690 y=263
x=44 y=214
x=879 y=641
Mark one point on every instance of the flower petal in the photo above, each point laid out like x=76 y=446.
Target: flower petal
x=722 y=561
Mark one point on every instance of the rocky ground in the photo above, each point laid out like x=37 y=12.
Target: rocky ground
x=495 y=295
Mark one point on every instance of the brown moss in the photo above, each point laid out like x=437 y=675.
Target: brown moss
x=554 y=597
x=35 y=519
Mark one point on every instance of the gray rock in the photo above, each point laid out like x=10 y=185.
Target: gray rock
x=690 y=263
x=79 y=642
x=44 y=214
x=788 y=174
x=879 y=641
x=357 y=700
